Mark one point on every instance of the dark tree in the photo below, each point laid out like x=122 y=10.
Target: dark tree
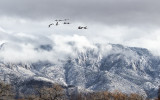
x=159 y=93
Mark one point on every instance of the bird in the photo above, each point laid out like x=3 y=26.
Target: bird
x=50 y=25
x=66 y=23
x=57 y=24
x=61 y=20
x=80 y=27
x=85 y=27
x=66 y=19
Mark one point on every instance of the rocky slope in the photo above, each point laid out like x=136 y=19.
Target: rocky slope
x=127 y=69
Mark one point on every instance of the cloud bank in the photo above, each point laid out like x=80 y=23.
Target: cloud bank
x=33 y=47
x=24 y=26
x=20 y=47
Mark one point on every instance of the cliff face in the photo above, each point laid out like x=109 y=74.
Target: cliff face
x=128 y=69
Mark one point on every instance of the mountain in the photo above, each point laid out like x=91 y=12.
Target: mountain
x=127 y=69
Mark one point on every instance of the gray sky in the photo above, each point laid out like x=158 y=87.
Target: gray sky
x=128 y=22
x=121 y=12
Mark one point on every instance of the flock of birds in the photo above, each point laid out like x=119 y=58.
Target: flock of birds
x=65 y=21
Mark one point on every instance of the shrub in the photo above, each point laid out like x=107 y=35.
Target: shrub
x=6 y=91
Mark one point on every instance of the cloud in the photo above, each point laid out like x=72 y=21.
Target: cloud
x=110 y=12
x=29 y=35
x=33 y=47
x=23 y=47
x=150 y=41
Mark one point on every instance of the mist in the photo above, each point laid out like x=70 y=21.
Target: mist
x=23 y=47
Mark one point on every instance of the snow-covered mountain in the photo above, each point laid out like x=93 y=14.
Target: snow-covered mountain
x=127 y=69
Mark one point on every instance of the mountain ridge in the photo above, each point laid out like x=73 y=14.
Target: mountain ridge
x=127 y=69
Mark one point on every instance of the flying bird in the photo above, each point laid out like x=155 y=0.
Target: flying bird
x=66 y=23
x=59 y=20
x=66 y=19
x=85 y=27
x=50 y=25
x=80 y=27
x=57 y=24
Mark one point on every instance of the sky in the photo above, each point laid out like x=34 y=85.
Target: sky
x=24 y=25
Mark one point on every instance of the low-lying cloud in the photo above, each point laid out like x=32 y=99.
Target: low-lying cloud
x=27 y=40
x=30 y=48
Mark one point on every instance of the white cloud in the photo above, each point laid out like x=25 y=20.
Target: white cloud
x=24 y=36
x=23 y=47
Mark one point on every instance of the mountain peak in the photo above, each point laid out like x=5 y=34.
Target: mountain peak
x=128 y=69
